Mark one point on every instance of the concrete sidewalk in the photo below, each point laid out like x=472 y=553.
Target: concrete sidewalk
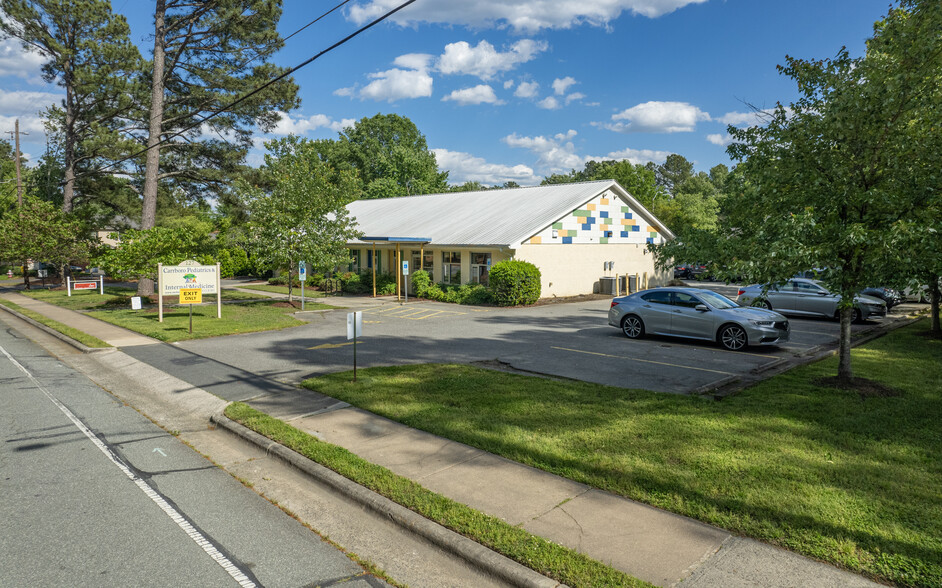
x=645 y=542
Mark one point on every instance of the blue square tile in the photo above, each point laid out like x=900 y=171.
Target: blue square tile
x=567 y=239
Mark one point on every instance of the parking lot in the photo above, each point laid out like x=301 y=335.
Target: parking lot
x=571 y=340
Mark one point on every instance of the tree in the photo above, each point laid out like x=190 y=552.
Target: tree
x=834 y=180
x=303 y=215
x=389 y=155
x=206 y=56
x=43 y=233
x=90 y=55
x=139 y=251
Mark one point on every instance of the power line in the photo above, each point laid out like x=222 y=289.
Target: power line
x=262 y=87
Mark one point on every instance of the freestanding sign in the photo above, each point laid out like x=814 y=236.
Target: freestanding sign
x=354 y=330
x=302 y=275
x=189 y=275
x=98 y=284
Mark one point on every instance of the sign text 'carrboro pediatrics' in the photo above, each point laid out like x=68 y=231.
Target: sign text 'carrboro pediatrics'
x=175 y=277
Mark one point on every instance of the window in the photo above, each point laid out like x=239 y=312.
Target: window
x=379 y=259
x=480 y=264
x=451 y=267
x=685 y=300
x=419 y=262
x=657 y=297
x=354 y=261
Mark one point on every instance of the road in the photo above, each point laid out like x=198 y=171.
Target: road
x=94 y=493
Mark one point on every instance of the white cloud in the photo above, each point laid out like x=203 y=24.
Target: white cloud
x=482 y=93
x=300 y=125
x=464 y=167
x=555 y=154
x=751 y=118
x=549 y=103
x=520 y=15
x=658 y=117
x=636 y=156
x=508 y=84
x=414 y=61
x=15 y=61
x=720 y=139
x=527 y=90
x=574 y=96
x=27 y=103
x=560 y=85
x=483 y=60
x=31 y=124
x=395 y=84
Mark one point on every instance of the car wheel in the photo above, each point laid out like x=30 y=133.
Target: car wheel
x=767 y=305
x=733 y=337
x=855 y=315
x=632 y=327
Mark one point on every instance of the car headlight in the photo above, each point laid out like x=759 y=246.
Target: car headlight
x=762 y=323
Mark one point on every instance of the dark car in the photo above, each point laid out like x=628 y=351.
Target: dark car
x=889 y=295
x=689 y=271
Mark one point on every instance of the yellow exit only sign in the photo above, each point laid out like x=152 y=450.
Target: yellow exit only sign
x=191 y=296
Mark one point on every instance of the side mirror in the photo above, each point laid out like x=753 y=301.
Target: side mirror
x=702 y=308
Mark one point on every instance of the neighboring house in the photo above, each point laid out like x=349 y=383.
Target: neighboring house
x=569 y=231
x=117 y=225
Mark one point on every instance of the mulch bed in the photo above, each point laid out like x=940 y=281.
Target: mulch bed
x=862 y=386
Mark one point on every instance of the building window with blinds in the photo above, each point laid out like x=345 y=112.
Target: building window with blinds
x=480 y=264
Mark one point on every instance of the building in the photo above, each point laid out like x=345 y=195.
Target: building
x=569 y=231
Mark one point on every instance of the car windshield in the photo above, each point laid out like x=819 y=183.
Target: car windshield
x=716 y=300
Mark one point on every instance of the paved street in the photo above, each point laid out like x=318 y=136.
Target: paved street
x=93 y=493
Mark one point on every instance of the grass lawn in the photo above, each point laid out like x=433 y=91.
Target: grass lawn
x=68 y=331
x=848 y=480
x=247 y=317
x=546 y=557
x=114 y=297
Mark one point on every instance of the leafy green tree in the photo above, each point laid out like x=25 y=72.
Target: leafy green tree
x=302 y=215
x=675 y=170
x=41 y=232
x=139 y=251
x=834 y=180
x=389 y=155
x=90 y=55
x=206 y=56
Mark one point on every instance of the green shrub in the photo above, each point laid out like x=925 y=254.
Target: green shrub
x=421 y=280
x=514 y=283
x=281 y=280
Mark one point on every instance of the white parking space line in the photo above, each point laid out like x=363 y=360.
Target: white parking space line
x=686 y=367
x=197 y=537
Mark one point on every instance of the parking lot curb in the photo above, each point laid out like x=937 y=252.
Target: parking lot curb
x=474 y=553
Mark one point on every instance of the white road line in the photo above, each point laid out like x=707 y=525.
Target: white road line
x=171 y=512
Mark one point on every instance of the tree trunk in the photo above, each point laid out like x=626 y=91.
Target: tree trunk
x=844 y=371
x=145 y=286
x=289 y=281
x=934 y=296
x=68 y=190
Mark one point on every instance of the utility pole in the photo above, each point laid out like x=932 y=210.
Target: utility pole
x=19 y=182
x=19 y=185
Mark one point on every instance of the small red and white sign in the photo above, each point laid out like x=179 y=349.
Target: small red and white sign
x=84 y=285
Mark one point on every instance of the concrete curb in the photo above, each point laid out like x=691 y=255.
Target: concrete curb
x=459 y=545
x=80 y=346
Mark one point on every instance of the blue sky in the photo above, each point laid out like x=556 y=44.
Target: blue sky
x=519 y=89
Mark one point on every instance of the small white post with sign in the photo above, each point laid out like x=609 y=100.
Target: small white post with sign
x=405 y=275
x=354 y=330
x=302 y=275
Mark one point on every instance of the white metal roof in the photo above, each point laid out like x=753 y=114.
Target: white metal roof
x=489 y=217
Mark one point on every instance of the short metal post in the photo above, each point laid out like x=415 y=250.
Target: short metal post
x=191 y=318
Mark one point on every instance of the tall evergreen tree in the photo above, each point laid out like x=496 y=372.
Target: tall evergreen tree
x=89 y=54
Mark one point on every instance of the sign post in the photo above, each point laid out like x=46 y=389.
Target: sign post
x=405 y=274
x=191 y=296
x=302 y=275
x=354 y=330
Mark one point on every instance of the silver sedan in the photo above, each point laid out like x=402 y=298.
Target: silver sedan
x=803 y=297
x=696 y=314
